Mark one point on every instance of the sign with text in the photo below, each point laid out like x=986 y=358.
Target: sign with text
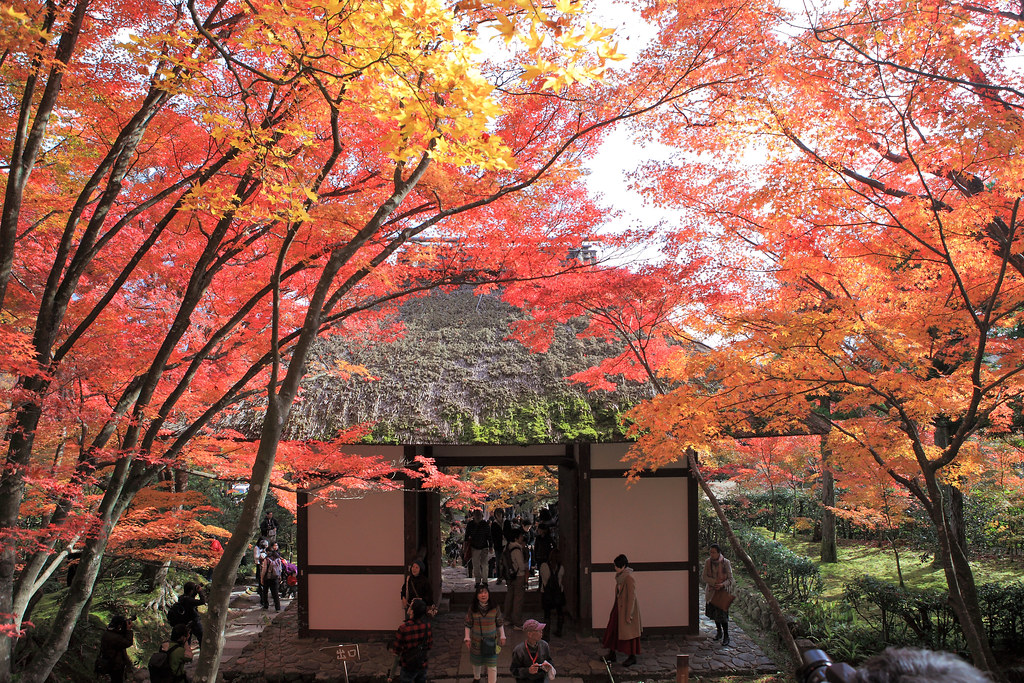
x=348 y=653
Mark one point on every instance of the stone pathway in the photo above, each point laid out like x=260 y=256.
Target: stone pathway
x=264 y=646
x=246 y=620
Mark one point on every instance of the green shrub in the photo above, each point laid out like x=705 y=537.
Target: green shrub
x=796 y=576
x=923 y=617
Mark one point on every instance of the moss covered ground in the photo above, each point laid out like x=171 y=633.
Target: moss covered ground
x=857 y=558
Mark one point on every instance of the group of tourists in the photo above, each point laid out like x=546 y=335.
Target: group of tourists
x=485 y=621
x=510 y=550
x=167 y=664
x=276 y=577
x=484 y=627
x=484 y=637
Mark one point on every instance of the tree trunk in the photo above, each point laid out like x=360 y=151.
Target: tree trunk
x=952 y=496
x=224 y=573
x=963 y=596
x=953 y=511
x=828 y=495
x=896 y=554
x=153 y=576
x=828 y=518
x=114 y=503
x=781 y=624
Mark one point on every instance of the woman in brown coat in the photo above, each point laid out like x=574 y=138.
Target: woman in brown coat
x=717 y=576
x=623 y=631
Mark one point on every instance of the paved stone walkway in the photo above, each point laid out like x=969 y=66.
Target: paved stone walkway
x=264 y=646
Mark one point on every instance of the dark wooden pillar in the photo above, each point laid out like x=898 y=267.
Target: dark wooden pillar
x=423 y=525
x=586 y=609
x=569 y=529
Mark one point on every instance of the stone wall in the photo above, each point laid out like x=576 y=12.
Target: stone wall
x=753 y=605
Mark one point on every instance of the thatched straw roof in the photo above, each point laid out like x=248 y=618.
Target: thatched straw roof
x=454 y=377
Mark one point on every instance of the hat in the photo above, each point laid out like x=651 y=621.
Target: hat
x=533 y=625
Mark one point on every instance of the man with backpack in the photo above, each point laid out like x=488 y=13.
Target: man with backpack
x=270 y=578
x=478 y=537
x=514 y=562
x=413 y=641
x=186 y=610
x=167 y=665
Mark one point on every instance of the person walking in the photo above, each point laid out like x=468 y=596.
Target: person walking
x=531 y=659
x=112 y=659
x=485 y=632
x=497 y=529
x=623 y=631
x=717 y=576
x=270 y=576
x=552 y=589
x=413 y=641
x=478 y=536
x=516 y=586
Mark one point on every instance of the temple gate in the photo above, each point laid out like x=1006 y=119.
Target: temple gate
x=353 y=552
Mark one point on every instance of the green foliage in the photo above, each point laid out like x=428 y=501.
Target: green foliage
x=795 y=575
x=1002 y=608
x=833 y=627
x=775 y=510
x=922 y=617
x=905 y=616
x=993 y=523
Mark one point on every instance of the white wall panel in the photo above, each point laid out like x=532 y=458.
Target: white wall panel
x=647 y=521
x=664 y=597
x=608 y=456
x=368 y=530
x=355 y=602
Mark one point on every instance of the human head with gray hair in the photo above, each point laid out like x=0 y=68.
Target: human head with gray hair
x=912 y=665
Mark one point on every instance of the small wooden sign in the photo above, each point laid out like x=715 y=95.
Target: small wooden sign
x=348 y=653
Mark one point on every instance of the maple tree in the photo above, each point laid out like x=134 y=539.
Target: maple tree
x=872 y=257
x=195 y=192
x=772 y=464
x=519 y=487
x=874 y=501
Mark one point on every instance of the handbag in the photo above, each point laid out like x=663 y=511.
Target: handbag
x=488 y=647
x=722 y=599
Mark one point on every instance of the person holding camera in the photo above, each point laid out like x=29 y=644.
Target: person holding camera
x=186 y=610
x=112 y=659
x=717 y=577
x=268 y=527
